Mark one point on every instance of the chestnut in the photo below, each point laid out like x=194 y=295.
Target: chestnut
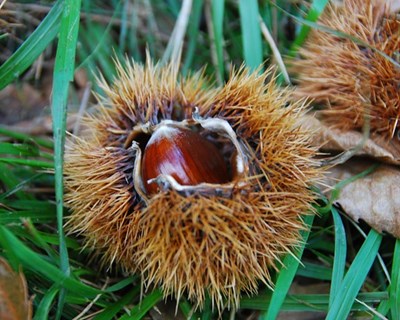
x=183 y=154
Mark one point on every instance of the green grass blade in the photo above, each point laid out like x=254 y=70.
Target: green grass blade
x=314 y=271
x=9 y=217
x=45 y=304
x=32 y=47
x=28 y=162
x=18 y=149
x=317 y=7
x=355 y=277
x=339 y=262
x=193 y=32
x=23 y=150
x=144 y=306
x=207 y=313
x=31 y=260
x=251 y=33
x=26 y=138
x=40 y=242
x=217 y=13
x=12 y=183
x=111 y=311
x=383 y=309
x=286 y=274
x=122 y=284
x=311 y=302
x=394 y=290
x=187 y=309
x=99 y=46
x=63 y=74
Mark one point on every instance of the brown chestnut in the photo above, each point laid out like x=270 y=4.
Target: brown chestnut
x=184 y=155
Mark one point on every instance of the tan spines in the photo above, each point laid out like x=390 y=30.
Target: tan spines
x=99 y=196
x=353 y=81
x=269 y=122
x=196 y=92
x=190 y=245
x=193 y=244
x=224 y=245
x=145 y=94
x=150 y=93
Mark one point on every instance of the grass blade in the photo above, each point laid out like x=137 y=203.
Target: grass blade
x=113 y=309
x=28 y=162
x=314 y=271
x=394 y=290
x=144 y=306
x=43 y=309
x=251 y=33
x=63 y=74
x=217 y=14
x=32 y=47
x=311 y=302
x=355 y=277
x=382 y=309
x=287 y=274
x=207 y=314
x=339 y=262
x=317 y=7
x=193 y=32
x=13 y=183
x=24 y=137
x=30 y=259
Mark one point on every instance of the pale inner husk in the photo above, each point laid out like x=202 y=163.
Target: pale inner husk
x=167 y=182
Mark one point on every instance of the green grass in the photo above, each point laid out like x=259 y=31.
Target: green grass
x=63 y=75
x=63 y=278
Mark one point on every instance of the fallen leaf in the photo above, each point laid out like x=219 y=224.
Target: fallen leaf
x=373 y=198
x=14 y=301
x=41 y=125
x=20 y=103
x=330 y=139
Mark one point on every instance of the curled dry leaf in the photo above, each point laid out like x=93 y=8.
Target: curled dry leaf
x=14 y=301
x=330 y=139
x=373 y=198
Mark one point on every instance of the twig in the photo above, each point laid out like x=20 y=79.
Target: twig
x=89 y=306
x=275 y=50
x=2 y=4
x=175 y=44
x=82 y=108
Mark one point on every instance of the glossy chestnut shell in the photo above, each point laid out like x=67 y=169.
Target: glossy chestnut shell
x=183 y=154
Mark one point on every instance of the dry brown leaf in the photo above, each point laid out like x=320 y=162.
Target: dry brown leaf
x=373 y=198
x=335 y=140
x=41 y=125
x=14 y=301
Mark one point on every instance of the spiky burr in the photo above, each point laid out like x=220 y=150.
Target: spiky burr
x=352 y=71
x=218 y=236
